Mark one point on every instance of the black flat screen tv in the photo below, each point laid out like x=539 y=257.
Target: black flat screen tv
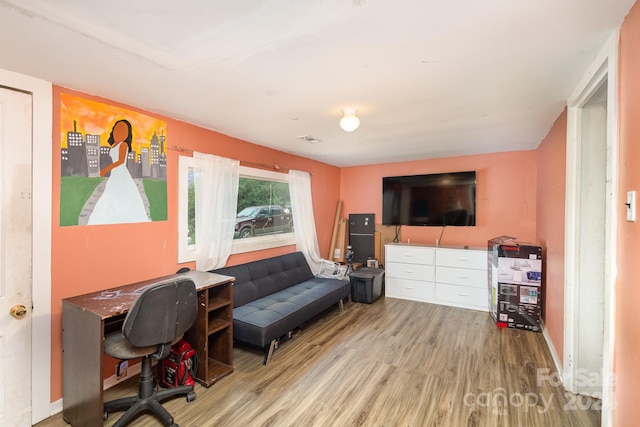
x=433 y=199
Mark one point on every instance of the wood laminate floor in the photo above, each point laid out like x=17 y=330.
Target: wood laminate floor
x=391 y=363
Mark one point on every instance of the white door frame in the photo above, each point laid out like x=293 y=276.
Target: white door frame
x=42 y=97
x=603 y=68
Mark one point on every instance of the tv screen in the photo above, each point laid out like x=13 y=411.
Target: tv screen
x=432 y=199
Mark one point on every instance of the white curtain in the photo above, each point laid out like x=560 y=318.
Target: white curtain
x=216 y=191
x=303 y=220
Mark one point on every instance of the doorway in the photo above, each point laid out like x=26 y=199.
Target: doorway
x=592 y=165
x=15 y=263
x=40 y=168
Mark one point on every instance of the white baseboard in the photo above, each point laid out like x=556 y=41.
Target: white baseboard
x=56 y=407
x=552 y=350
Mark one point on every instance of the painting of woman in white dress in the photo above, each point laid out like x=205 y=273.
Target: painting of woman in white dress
x=120 y=201
x=113 y=164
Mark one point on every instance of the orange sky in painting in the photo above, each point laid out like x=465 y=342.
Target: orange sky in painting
x=96 y=118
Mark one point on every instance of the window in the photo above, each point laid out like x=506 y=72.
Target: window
x=264 y=219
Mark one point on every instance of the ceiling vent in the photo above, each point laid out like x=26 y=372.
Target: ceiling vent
x=309 y=139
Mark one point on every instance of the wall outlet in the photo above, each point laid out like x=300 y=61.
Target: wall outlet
x=631 y=205
x=121 y=368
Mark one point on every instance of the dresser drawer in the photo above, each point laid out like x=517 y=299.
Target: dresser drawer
x=409 y=254
x=462 y=276
x=465 y=258
x=409 y=289
x=463 y=296
x=403 y=270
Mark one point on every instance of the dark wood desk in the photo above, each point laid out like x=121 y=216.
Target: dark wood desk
x=87 y=318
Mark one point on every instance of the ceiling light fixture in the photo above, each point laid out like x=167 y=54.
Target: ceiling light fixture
x=349 y=122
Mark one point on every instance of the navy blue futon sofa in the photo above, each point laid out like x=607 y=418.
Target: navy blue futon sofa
x=273 y=296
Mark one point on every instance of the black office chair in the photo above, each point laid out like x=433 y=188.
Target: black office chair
x=159 y=317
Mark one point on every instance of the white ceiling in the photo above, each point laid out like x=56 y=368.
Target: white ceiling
x=428 y=78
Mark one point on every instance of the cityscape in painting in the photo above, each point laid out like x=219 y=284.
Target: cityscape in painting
x=85 y=156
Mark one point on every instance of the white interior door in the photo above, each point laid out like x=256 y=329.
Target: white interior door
x=15 y=257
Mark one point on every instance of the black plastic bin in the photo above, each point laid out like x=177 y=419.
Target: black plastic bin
x=366 y=284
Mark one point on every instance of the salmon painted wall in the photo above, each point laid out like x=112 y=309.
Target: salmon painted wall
x=550 y=226
x=627 y=340
x=505 y=196
x=90 y=258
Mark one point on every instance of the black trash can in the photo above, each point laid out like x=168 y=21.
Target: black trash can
x=366 y=284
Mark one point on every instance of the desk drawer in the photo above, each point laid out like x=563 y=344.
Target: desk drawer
x=462 y=276
x=403 y=270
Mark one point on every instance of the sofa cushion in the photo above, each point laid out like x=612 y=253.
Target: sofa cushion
x=257 y=279
x=260 y=321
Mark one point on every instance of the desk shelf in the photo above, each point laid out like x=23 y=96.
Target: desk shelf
x=216 y=325
x=215 y=303
x=218 y=370
x=212 y=333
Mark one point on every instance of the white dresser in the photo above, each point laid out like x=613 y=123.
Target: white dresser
x=439 y=275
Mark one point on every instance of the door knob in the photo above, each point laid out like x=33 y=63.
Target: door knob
x=18 y=311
